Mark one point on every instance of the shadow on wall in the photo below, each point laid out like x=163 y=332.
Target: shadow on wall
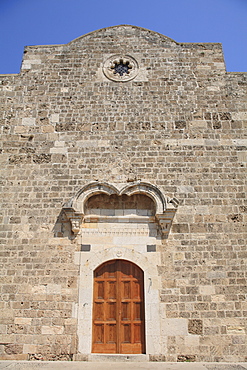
x=62 y=227
x=120 y=205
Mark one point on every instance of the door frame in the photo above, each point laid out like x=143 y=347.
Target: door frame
x=152 y=284
x=118 y=278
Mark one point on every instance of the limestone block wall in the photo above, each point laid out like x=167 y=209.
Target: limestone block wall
x=178 y=124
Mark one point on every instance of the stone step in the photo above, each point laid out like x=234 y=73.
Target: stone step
x=100 y=357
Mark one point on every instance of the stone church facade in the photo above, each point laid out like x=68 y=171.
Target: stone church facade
x=123 y=202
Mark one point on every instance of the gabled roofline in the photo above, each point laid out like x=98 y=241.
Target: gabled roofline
x=122 y=25
x=125 y=25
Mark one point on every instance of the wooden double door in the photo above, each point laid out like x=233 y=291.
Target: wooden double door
x=118 y=308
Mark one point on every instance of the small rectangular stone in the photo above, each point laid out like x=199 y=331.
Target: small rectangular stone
x=54 y=117
x=28 y=121
x=23 y=320
x=174 y=327
x=29 y=348
x=53 y=289
x=206 y=289
x=59 y=150
x=52 y=330
x=59 y=143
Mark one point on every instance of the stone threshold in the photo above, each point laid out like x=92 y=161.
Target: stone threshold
x=101 y=357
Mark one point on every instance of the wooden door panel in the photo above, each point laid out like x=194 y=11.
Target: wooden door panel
x=111 y=314
x=130 y=348
x=100 y=272
x=125 y=290
x=99 y=311
x=125 y=334
x=137 y=311
x=111 y=290
x=100 y=290
x=136 y=289
x=111 y=333
x=126 y=311
x=125 y=269
x=137 y=333
x=111 y=271
x=137 y=272
x=99 y=333
x=118 y=311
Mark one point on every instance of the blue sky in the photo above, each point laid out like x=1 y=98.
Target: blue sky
x=41 y=22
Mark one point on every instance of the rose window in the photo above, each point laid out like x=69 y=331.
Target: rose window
x=120 y=68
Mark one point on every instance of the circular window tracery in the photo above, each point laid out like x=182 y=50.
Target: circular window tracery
x=120 y=68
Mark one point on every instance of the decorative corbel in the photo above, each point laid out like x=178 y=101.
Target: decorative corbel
x=165 y=219
x=75 y=219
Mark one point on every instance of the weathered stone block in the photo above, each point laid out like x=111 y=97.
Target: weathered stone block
x=157 y=358
x=186 y=358
x=13 y=349
x=28 y=121
x=172 y=327
x=195 y=326
x=52 y=329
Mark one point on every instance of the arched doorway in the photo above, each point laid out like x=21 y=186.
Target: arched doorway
x=118 y=308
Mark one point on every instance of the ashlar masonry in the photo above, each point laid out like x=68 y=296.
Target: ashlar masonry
x=123 y=169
